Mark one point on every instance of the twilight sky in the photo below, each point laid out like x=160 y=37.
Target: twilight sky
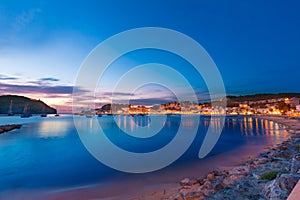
x=255 y=44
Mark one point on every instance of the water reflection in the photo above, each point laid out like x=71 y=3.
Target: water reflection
x=237 y=128
x=215 y=124
x=133 y=121
x=256 y=125
x=234 y=122
x=56 y=128
x=251 y=126
x=188 y=122
x=247 y=126
x=206 y=122
x=141 y=120
x=25 y=153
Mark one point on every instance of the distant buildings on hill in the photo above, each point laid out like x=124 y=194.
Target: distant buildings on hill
x=277 y=105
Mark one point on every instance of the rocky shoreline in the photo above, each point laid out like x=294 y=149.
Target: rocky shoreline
x=271 y=175
x=9 y=127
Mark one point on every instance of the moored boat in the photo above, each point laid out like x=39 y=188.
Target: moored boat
x=26 y=113
x=10 y=112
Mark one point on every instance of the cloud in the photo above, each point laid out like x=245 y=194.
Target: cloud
x=49 y=79
x=4 y=77
x=45 y=89
x=115 y=94
x=152 y=101
x=143 y=98
x=43 y=81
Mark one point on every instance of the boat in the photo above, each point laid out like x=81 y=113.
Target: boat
x=10 y=112
x=56 y=115
x=44 y=114
x=26 y=113
x=88 y=114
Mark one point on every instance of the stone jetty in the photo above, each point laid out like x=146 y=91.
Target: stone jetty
x=9 y=127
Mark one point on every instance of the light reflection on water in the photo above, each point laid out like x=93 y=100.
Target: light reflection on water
x=47 y=129
x=251 y=126
x=48 y=153
x=133 y=121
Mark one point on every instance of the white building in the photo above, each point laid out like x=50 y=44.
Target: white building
x=292 y=101
x=298 y=108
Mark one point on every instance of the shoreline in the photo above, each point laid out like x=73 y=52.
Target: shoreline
x=252 y=179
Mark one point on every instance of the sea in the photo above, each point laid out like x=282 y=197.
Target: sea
x=48 y=155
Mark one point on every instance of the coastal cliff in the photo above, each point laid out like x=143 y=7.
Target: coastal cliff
x=17 y=104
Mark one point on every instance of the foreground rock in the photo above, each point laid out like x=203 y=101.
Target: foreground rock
x=272 y=175
x=9 y=127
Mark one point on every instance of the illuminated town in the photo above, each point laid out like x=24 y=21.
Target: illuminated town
x=277 y=106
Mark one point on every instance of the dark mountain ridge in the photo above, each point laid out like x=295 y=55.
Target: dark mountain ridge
x=257 y=97
x=20 y=102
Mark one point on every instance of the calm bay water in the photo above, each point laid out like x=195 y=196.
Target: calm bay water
x=46 y=153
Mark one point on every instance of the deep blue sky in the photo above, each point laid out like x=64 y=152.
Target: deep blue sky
x=255 y=44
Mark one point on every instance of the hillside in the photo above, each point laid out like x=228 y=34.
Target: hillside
x=257 y=97
x=19 y=102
